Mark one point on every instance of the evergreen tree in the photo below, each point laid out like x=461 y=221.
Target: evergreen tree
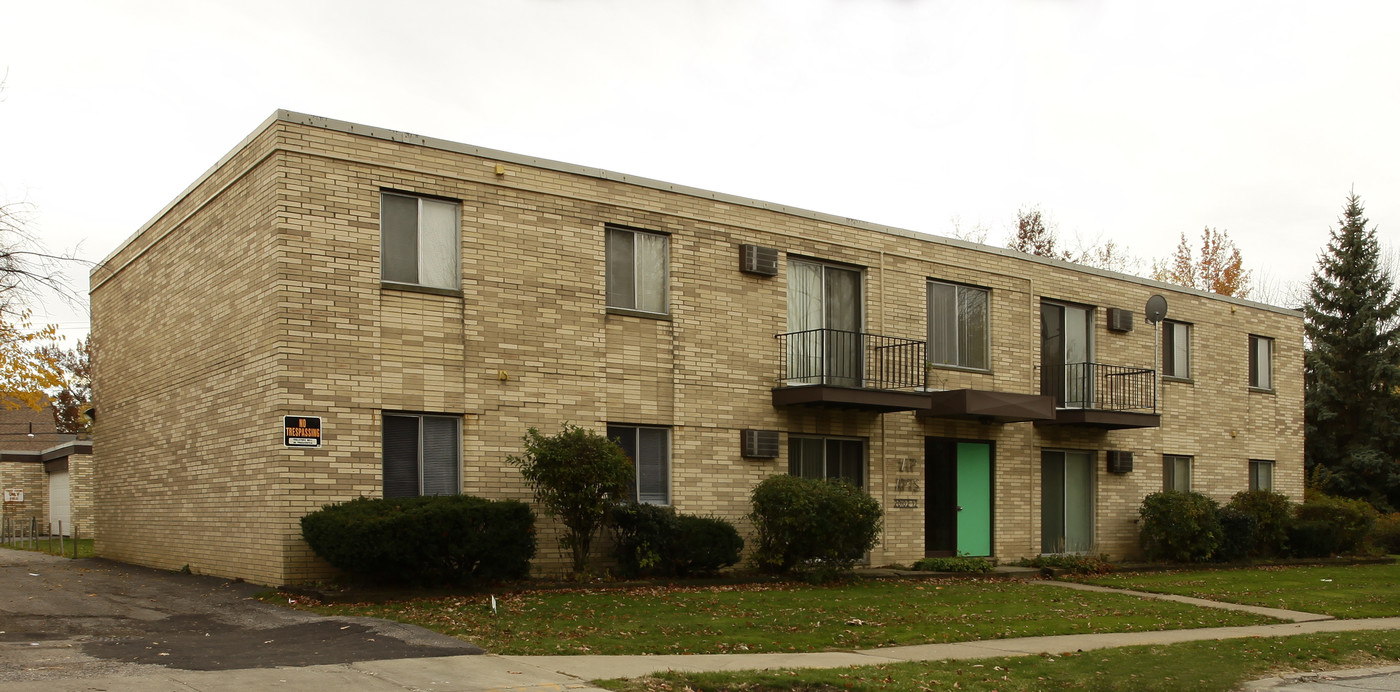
x=1352 y=368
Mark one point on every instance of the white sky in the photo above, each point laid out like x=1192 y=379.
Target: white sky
x=1125 y=120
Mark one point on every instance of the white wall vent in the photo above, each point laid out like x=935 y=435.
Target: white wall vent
x=1120 y=320
x=760 y=444
x=756 y=259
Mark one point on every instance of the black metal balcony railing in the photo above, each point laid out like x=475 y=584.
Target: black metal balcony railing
x=1100 y=387
x=839 y=358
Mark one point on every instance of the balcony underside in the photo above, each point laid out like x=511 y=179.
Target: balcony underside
x=1103 y=420
x=827 y=396
x=989 y=406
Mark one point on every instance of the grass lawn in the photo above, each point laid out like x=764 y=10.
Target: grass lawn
x=1349 y=591
x=1197 y=666
x=780 y=617
x=84 y=546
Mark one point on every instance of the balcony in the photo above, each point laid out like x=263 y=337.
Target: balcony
x=1095 y=395
x=840 y=369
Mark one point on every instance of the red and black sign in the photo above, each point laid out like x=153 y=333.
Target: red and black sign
x=301 y=431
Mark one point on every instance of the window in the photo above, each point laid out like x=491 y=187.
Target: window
x=637 y=271
x=1176 y=349
x=826 y=457
x=421 y=455
x=1261 y=475
x=958 y=325
x=1176 y=472
x=649 y=450
x=418 y=241
x=1261 y=362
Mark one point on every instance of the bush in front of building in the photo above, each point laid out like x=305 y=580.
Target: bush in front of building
x=577 y=475
x=1271 y=513
x=957 y=563
x=1386 y=536
x=651 y=540
x=1075 y=564
x=1180 y=526
x=1328 y=525
x=450 y=539
x=1239 y=532
x=820 y=526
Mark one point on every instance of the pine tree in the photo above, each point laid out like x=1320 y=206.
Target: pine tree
x=1352 y=368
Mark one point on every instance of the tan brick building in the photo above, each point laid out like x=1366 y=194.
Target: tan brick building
x=45 y=476
x=429 y=301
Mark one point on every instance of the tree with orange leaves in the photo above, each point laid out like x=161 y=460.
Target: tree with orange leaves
x=1220 y=268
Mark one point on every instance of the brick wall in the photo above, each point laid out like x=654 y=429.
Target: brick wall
x=257 y=294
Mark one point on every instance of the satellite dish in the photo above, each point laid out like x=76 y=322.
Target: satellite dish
x=1156 y=309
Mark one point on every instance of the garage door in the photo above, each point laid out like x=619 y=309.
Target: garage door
x=58 y=503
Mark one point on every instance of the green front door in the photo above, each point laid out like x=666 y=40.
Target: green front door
x=958 y=497
x=974 y=498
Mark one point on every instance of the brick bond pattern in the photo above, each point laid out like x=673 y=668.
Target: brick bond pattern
x=257 y=294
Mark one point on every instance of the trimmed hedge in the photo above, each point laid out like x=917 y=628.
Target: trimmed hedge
x=959 y=563
x=1328 y=525
x=1180 y=526
x=651 y=540
x=825 y=526
x=450 y=539
x=1271 y=513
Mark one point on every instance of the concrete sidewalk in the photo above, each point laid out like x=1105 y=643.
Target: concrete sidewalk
x=487 y=673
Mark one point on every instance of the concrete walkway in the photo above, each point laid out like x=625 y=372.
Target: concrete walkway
x=486 y=673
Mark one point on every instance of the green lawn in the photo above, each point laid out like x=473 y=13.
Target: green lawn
x=52 y=547
x=1197 y=666
x=1344 y=591
x=781 y=617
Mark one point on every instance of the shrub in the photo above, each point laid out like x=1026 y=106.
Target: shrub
x=1239 y=535
x=651 y=540
x=822 y=525
x=1386 y=535
x=451 y=539
x=1332 y=525
x=577 y=475
x=1180 y=526
x=703 y=545
x=961 y=563
x=1272 y=513
x=640 y=535
x=1077 y=564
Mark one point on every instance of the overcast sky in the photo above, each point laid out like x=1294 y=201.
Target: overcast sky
x=1127 y=121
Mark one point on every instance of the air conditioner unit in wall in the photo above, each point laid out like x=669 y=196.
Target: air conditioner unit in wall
x=760 y=444
x=756 y=259
x=1120 y=320
x=1120 y=461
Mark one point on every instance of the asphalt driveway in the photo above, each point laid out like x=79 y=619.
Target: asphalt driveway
x=62 y=618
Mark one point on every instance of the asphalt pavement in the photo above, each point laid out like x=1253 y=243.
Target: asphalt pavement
x=84 y=625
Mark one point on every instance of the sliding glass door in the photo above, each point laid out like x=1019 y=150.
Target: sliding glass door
x=1066 y=502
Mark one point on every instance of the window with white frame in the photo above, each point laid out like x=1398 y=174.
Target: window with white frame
x=1176 y=350
x=1261 y=362
x=827 y=457
x=649 y=448
x=1261 y=474
x=1176 y=472
x=958 y=325
x=422 y=455
x=637 y=269
x=419 y=241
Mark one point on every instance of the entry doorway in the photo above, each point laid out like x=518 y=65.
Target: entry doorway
x=1066 y=502
x=60 y=506
x=958 y=497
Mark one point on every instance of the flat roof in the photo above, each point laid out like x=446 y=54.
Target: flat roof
x=588 y=171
